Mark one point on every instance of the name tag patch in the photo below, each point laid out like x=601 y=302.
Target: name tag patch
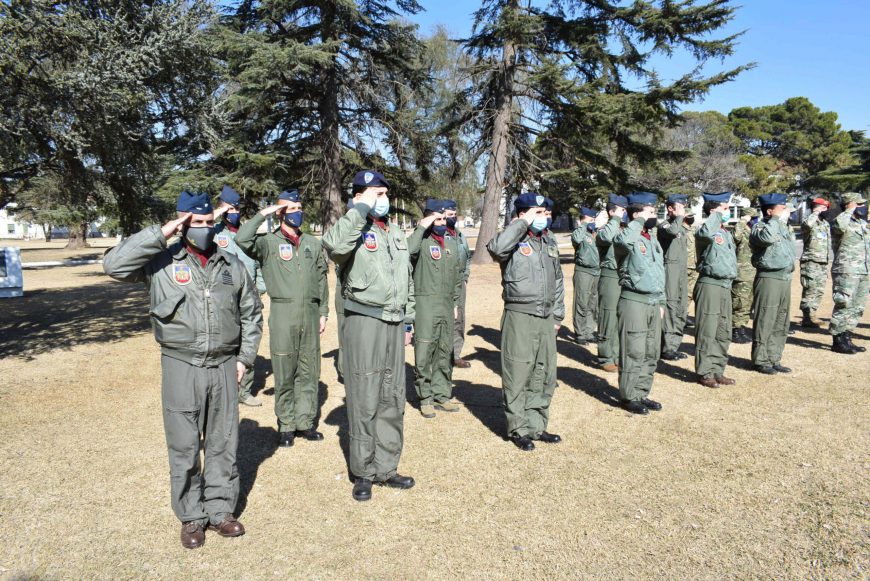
x=181 y=274
x=285 y=251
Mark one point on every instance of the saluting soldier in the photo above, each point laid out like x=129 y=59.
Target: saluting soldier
x=225 y=234
x=641 y=303
x=206 y=316
x=295 y=273
x=378 y=290
x=587 y=269
x=438 y=277
x=608 y=284
x=773 y=256
x=717 y=267
x=817 y=255
x=850 y=271
x=465 y=265
x=674 y=243
x=533 y=292
x=741 y=288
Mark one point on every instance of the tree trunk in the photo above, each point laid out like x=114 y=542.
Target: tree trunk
x=46 y=230
x=330 y=119
x=498 y=155
x=78 y=238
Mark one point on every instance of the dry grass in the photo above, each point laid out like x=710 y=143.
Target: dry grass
x=765 y=479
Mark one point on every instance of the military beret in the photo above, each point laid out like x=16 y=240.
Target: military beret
x=853 y=197
x=290 y=196
x=821 y=202
x=370 y=178
x=588 y=212
x=720 y=198
x=642 y=199
x=548 y=204
x=433 y=205
x=530 y=200
x=773 y=199
x=678 y=199
x=750 y=212
x=449 y=204
x=194 y=203
x=617 y=200
x=230 y=196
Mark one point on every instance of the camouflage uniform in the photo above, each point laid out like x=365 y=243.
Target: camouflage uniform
x=741 y=289
x=691 y=259
x=851 y=266
x=814 y=261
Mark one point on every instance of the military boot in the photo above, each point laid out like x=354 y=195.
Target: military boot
x=840 y=345
x=852 y=346
x=809 y=321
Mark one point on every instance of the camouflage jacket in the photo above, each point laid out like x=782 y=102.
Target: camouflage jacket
x=817 y=240
x=745 y=270
x=851 y=245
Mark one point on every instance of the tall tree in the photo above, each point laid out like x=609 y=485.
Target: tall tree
x=854 y=177
x=558 y=76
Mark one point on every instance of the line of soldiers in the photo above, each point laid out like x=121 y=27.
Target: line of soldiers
x=206 y=314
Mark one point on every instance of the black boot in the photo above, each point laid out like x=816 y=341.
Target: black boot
x=808 y=322
x=852 y=346
x=840 y=345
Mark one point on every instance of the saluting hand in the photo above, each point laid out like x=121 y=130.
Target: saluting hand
x=221 y=211
x=428 y=220
x=369 y=197
x=174 y=227
x=271 y=209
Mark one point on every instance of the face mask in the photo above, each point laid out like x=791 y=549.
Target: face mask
x=451 y=223
x=753 y=221
x=439 y=230
x=861 y=212
x=538 y=224
x=650 y=223
x=201 y=237
x=689 y=220
x=549 y=223
x=590 y=227
x=294 y=219
x=234 y=220
x=382 y=207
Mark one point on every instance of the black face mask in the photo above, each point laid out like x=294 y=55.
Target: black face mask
x=861 y=212
x=689 y=220
x=650 y=223
x=451 y=223
x=201 y=237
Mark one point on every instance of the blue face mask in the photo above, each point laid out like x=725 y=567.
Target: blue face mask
x=382 y=207
x=549 y=222
x=861 y=212
x=439 y=230
x=590 y=227
x=294 y=219
x=451 y=222
x=539 y=224
x=234 y=219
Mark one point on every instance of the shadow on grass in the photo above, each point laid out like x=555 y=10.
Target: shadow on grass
x=63 y=318
x=485 y=403
x=581 y=380
x=338 y=418
x=256 y=445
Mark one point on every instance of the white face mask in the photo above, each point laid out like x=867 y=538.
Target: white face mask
x=381 y=207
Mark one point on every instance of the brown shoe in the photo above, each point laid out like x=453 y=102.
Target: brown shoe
x=610 y=367
x=708 y=382
x=230 y=527
x=192 y=535
x=446 y=406
x=462 y=364
x=722 y=380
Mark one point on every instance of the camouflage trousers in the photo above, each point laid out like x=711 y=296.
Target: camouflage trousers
x=813 y=277
x=741 y=303
x=850 y=297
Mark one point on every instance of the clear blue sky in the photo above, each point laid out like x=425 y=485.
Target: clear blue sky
x=811 y=48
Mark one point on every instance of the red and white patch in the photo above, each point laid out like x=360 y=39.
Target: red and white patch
x=181 y=274
x=370 y=241
x=525 y=249
x=435 y=252
x=222 y=241
x=642 y=247
x=719 y=239
x=285 y=251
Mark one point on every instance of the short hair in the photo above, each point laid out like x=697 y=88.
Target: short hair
x=634 y=209
x=354 y=190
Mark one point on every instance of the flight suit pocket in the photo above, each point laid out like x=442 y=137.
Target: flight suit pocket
x=166 y=308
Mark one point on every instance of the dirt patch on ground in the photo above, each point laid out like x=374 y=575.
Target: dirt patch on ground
x=768 y=478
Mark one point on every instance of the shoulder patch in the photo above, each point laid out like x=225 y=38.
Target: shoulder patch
x=370 y=241
x=435 y=252
x=285 y=251
x=718 y=238
x=642 y=247
x=222 y=241
x=525 y=248
x=181 y=274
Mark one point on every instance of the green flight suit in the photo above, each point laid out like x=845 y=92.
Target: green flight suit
x=608 y=292
x=205 y=320
x=741 y=288
x=225 y=237
x=339 y=319
x=465 y=266
x=773 y=256
x=674 y=242
x=586 y=272
x=641 y=300
x=533 y=291
x=817 y=255
x=850 y=271
x=295 y=277
x=717 y=267
x=378 y=295
x=438 y=279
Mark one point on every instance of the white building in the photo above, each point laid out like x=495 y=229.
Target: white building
x=12 y=228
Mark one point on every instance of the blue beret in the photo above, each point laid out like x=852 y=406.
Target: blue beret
x=589 y=212
x=678 y=199
x=530 y=200
x=721 y=198
x=773 y=199
x=290 y=196
x=617 y=200
x=433 y=205
x=369 y=178
x=449 y=204
x=194 y=203
x=230 y=196
x=642 y=199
